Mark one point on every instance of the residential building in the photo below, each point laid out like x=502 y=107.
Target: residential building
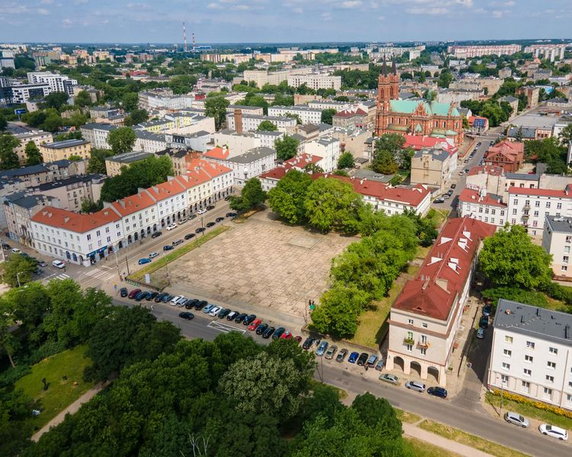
x=433 y=167
x=509 y=155
x=468 y=52
x=250 y=122
x=307 y=115
x=322 y=104
x=426 y=317
x=557 y=241
x=550 y=52
x=22 y=93
x=531 y=353
x=97 y=134
x=73 y=191
x=263 y=77
x=60 y=150
x=245 y=109
x=37 y=136
x=250 y=164
x=179 y=158
x=270 y=179
x=512 y=101
x=19 y=209
x=485 y=207
x=532 y=95
x=149 y=142
x=56 y=82
x=315 y=81
x=413 y=117
x=236 y=143
x=350 y=118
x=328 y=149
x=114 y=164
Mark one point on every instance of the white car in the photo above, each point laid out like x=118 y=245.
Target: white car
x=414 y=385
x=553 y=431
x=201 y=211
x=153 y=255
x=172 y=226
x=175 y=299
x=516 y=419
x=58 y=264
x=16 y=250
x=213 y=312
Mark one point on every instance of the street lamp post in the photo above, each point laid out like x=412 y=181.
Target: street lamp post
x=18 y=278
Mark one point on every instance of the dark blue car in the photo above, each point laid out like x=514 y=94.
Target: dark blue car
x=353 y=357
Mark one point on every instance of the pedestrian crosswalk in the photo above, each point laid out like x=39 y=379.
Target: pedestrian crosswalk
x=62 y=276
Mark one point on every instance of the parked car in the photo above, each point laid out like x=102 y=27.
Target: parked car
x=144 y=260
x=380 y=364
x=16 y=251
x=390 y=378
x=219 y=219
x=156 y=234
x=553 y=431
x=171 y=227
x=249 y=319
x=159 y=297
x=200 y=230
x=42 y=264
x=268 y=332
x=210 y=224
x=123 y=292
x=191 y=302
x=58 y=264
x=341 y=355
x=261 y=329
x=175 y=299
x=5 y=246
x=287 y=335
x=134 y=293
x=140 y=296
x=177 y=242
x=223 y=313
x=439 y=200
x=353 y=357
x=516 y=419
x=481 y=333
x=331 y=352
x=239 y=318
x=214 y=311
x=201 y=211
x=168 y=247
x=371 y=361
x=414 y=385
x=186 y=315
x=207 y=309
x=254 y=324
x=153 y=255
x=487 y=310
x=152 y=296
x=231 y=214
x=308 y=343
x=232 y=315
x=437 y=392
x=188 y=236
x=453 y=186
x=322 y=348
x=210 y=207
x=201 y=304
x=167 y=298
x=361 y=361
x=484 y=322
x=278 y=333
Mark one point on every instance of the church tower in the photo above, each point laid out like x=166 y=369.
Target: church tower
x=387 y=90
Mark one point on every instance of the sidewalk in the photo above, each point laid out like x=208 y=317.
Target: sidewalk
x=71 y=409
x=413 y=431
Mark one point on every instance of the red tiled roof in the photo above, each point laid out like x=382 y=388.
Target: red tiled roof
x=134 y=203
x=351 y=113
x=80 y=223
x=410 y=195
x=418 y=142
x=472 y=196
x=165 y=190
x=298 y=162
x=217 y=153
x=512 y=150
x=445 y=270
x=213 y=169
x=492 y=170
x=566 y=193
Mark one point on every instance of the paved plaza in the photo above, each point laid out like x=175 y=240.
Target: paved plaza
x=262 y=262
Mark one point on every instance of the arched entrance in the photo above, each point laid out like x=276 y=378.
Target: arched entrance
x=433 y=372
x=416 y=367
x=399 y=362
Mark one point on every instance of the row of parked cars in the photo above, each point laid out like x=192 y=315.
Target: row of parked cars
x=323 y=348
x=545 y=429
x=484 y=321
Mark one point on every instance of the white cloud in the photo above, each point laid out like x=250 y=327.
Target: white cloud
x=214 y=6
x=43 y=11
x=350 y=4
x=434 y=11
x=497 y=14
x=327 y=16
x=46 y=2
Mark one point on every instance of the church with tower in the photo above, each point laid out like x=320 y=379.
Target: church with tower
x=413 y=117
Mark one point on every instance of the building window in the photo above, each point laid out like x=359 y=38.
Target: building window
x=530 y=345
x=547 y=391
x=505 y=366
x=508 y=339
x=423 y=351
x=548 y=204
x=527 y=372
x=553 y=350
x=549 y=378
x=528 y=358
x=410 y=321
x=408 y=347
x=551 y=365
x=504 y=378
x=537 y=203
x=565 y=259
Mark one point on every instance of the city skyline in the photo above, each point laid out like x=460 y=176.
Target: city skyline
x=262 y=21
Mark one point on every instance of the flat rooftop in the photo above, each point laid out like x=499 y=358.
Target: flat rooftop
x=560 y=224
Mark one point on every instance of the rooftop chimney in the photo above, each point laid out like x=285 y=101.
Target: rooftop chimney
x=238 y=120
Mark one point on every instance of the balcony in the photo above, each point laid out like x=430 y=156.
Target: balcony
x=423 y=344
x=408 y=341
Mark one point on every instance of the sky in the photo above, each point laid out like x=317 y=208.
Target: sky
x=275 y=21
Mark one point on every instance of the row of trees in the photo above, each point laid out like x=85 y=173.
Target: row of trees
x=551 y=151
x=8 y=157
x=496 y=112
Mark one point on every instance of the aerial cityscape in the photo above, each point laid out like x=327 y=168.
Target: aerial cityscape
x=243 y=228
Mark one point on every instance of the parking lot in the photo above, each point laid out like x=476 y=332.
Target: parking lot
x=260 y=263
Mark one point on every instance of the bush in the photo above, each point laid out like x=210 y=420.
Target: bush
x=46 y=350
x=536 y=404
x=514 y=294
x=558 y=292
x=12 y=374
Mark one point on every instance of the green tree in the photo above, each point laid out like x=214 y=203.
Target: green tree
x=286 y=147
x=3 y=122
x=18 y=270
x=346 y=160
x=294 y=116
x=327 y=115
x=267 y=126
x=331 y=204
x=82 y=99
x=445 y=78
x=510 y=258
x=216 y=107
x=76 y=120
x=182 y=84
x=55 y=100
x=129 y=101
x=8 y=158
x=121 y=140
x=251 y=196
x=136 y=117
x=288 y=197
x=33 y=155
x=384 y=162
x=96 y=162
x=337 y=314
x=89 y=206
x=565 y=135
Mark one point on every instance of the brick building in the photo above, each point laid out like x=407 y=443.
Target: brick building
x=509 y=155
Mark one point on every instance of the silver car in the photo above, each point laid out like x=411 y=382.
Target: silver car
x=516 y=419
x=415 y=385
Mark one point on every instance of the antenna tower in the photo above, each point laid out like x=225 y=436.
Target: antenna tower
x=184 y=37
x=194 y=43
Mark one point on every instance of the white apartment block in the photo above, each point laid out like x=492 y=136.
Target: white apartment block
x=56 y=82
x=262 y=77
x=557 y=241
x=250 y=122
x=531 y=353
x=97 y=134
x=249 y=165
x=330 y=104
x=547 y=51
x=307 y=115
x=328 y=148
x=316 y=81
x=165 y=100
x=467 y=52
x=149 y=142
x=26 y=92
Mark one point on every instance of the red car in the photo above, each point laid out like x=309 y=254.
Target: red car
x=286 y=336
x=255 y=323
x=133 y=293
x=298 y=338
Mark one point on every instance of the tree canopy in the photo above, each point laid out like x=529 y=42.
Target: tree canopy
x=267 y=126
x=122 y=140
x=251 y=196
x=286 y=147
x=8 y=157
x=33 y=155
x=216 y=107
x=346 y=160
x=288 y=197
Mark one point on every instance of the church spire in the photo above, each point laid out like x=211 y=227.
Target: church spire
x=384 y=67
x=394 y=67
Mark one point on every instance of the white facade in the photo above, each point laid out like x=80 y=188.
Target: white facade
x=251 y=164
x=57 y=83
x=307 y=115
x=557 y=241
x=316 y=81
x=97 y=134
x=531 y=353
x=328 y=149
x=237 y=144
x=26 y=92
x=250 y=122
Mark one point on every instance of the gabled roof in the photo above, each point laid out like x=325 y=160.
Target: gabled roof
x=298 y=163
x=445 y=270
x=217 y=153
x=134 y=203
x=80 y=223
x=566 y=193
x=492 y=170
x=165 y=190
x=421 y=142
x=472 y=196
x=510 y=150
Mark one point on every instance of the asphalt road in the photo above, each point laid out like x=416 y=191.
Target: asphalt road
x=352 y=379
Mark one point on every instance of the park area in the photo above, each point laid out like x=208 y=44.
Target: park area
x=63 y=375
x=261 y=261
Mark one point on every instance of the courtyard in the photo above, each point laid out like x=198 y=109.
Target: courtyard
x=260 y=262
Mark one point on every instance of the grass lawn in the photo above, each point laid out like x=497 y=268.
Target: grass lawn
x=530 y=411
x=373 y=327
x=470 y=440
x=406 y=416
x=61 y=392
x=174 y=255
x=425 y=449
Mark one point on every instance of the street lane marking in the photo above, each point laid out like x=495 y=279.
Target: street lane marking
x=62 y=276
x=224 y=327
